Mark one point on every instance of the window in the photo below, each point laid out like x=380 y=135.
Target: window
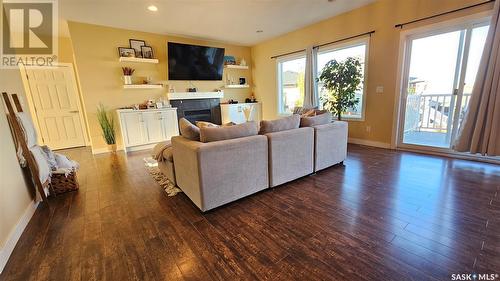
x=291 y=73
x=340 y=52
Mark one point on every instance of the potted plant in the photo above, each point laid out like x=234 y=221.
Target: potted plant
x=127 y=75
x=108 y=127
x=341 y=80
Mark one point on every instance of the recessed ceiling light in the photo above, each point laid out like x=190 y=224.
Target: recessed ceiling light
x=259 y=31
x=152 y=8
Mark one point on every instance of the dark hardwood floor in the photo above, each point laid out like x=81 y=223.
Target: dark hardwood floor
x=385 y=215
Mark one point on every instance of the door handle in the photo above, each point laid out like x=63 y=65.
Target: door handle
x=74 y=111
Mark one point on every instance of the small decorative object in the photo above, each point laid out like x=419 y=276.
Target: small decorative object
x=151 y=104
x=229 y=60
x=243 y=62
x=243 y=80
x=127 y=75
x=136 y=45
x=147 y=52
x=252 y=98
x=126 y=52
x=341 y=80
x=107 y=124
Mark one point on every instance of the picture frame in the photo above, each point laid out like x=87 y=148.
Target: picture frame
x=136 y=45
x=126 y=52
x=147 y=52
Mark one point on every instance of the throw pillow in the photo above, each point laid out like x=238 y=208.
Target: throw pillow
x=210 y=134
x=201 y=124
x=282 y=124
x=311 y=121
x=188 y=130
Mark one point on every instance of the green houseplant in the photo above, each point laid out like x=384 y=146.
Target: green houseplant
x=341 y=80
x=107 y=123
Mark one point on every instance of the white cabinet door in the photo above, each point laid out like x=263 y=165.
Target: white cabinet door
x=133 y=128
x=169 y=124
x=153 y=124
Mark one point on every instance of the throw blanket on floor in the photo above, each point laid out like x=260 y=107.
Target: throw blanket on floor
x=157 y=153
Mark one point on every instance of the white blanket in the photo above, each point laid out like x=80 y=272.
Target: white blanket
x=44 y=170
x=28 y=128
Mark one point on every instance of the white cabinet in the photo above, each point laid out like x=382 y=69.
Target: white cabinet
x=238 y=113
x=142 y=129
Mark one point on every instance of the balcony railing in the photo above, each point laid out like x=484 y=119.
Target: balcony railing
x=432 y=112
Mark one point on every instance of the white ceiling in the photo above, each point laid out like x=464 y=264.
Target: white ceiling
x=231 y=21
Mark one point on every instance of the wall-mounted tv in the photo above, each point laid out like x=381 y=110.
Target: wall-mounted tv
x=191 y=62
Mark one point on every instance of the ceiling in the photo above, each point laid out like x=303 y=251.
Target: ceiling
x=231 y=21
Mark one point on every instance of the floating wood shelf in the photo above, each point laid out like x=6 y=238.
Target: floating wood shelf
x=233 y=66
x=127 y=59
x=142 y=86
x=237 y=86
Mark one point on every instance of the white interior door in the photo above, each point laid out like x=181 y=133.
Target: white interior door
x=56 y=104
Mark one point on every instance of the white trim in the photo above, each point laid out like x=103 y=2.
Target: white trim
x=454 y=155
x=15 y=234
x=103 y=150
x=369 y=143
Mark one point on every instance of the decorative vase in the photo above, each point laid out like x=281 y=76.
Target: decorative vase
x=127 y=79
x=112 y=148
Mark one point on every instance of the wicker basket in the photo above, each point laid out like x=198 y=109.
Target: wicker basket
x=60 y=183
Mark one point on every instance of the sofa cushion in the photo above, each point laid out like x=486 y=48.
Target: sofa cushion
x=168 y=154
x=282 y=124
x=188 y=130
x=210 y=134
x=311 y=121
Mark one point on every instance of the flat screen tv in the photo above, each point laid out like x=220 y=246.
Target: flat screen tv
x=191 y=62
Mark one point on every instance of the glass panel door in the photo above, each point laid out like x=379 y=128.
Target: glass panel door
x=439 y=76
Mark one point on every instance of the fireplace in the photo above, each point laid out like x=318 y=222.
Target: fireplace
x=198 y=109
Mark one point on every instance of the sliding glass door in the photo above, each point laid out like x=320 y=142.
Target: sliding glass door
x=439 y=73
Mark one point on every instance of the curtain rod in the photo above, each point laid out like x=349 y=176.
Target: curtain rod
x=400 y=25
x=324 y=44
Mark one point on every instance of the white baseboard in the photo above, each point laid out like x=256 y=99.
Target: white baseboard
x=104 y=150
x=15 y=234
x=369 y=143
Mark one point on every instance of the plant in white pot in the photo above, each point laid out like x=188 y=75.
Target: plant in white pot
x=127 y=75
x=341 y=80
x=107 y=124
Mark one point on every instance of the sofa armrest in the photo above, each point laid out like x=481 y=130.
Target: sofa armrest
x=330 y=141
x=290 y=154
x=215 y=173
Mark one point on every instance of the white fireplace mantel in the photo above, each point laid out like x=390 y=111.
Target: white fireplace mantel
x=195 y=95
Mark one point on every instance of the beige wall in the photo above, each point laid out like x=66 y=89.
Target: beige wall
x=380 y=16
x=96 y=60
x=15 y=195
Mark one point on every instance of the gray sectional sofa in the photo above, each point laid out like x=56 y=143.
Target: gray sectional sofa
x=215 y=172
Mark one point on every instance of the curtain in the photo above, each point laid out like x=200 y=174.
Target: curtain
x=480 y=130
x=311 y=98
